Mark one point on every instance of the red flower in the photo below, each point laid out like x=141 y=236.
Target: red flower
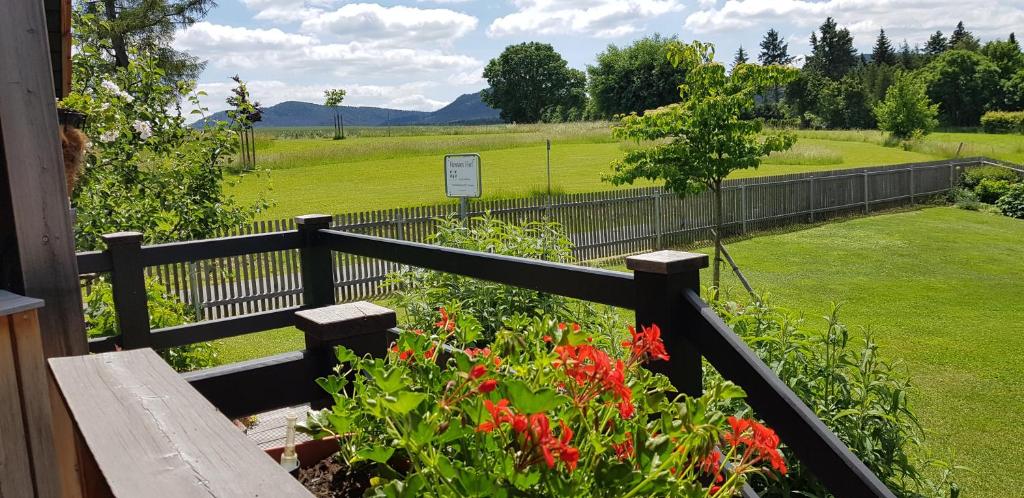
x=477 y=371
x=408 y=354
x=446 y=322
x=487 y=386
x=472 y=353
x=624 y=450
x=546 y=338
x=762 y=444
x=594 y=376
x=497 y=361
x=429 y=353
x=499 y=414
x=646 y=345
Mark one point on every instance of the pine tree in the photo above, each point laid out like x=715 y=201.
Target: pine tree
x=773 y=50
x=833 y=54
x=936 y=45
x=1013 y=39
x=908 y=56
x=741 y=57
x=961 y=39
x=883 y=53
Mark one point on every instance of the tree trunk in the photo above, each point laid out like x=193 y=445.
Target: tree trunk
x=716 y=279
x=342 y=126
x=116 y=37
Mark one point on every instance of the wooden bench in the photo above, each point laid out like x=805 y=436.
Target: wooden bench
x=149 y=433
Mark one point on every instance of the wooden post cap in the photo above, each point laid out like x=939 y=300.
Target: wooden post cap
x=331 y=323
x=122 y=238
x=667 y=262
x=313 y=219
x=11 y=303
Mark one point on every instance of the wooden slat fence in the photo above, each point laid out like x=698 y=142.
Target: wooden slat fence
x=600 y=224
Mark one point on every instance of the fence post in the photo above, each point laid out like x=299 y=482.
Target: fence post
x=911 y=170
x=129 y=288
x=658 y=230
x=660 y=279
x=317 y=269
x=743 y=207
x=193 y=280
x=810 y=202
x=400 y=225
x=867 y=201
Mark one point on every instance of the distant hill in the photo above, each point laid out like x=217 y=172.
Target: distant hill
x=467 y=109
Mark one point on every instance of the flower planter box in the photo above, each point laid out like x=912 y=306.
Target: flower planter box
x=309 y=452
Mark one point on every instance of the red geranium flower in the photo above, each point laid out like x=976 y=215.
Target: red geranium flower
x=488 y=386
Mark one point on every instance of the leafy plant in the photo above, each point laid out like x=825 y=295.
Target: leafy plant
x=421 y=292
x=1012 y=202
x=989 y=189
x=1003 y=122
x=973 y=176
x=554 y=416
x=862 y=398
x=906 y=111
x=164 y=311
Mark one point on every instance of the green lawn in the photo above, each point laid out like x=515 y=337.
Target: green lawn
x=942 y=289
x=361 y=173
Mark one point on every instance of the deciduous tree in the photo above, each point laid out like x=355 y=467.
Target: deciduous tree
x=333 y=97
x=693 y=145
x=906 y=111
x=633 y=78
x=528 y=78
x=963 y=83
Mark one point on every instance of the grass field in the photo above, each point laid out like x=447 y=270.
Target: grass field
x=941 y=290
x=309 y=173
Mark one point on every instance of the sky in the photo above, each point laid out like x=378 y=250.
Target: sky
x=422 y=54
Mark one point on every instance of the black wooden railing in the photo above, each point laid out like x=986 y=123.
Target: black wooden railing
x=663 y=289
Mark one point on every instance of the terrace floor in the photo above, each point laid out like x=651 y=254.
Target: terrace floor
x=269 y=429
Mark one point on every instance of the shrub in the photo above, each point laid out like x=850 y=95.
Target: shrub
x=989 y=190
x=1003 y=122
x=164 y=311
x=554 y=416
x=421 y=292
x=965 y=199
x=1012 y=203
x=906 y=111
x=973 y=176
x=860 y=397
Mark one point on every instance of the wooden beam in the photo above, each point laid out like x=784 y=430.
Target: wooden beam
x=39 y=229
x=151 y=434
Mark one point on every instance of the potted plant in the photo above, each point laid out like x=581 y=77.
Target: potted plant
x=545 y=410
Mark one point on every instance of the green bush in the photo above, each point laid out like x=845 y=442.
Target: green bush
x=421 y=292
x=1003 y=122
x=965 y=199
x=973 y=176
x=164 y=311
x=1012 y=203
x=860 y=397
x=989 y=190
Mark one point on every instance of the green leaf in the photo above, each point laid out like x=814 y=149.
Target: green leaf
x=403 y=402
x=379 y=454
x=345 y=355
x=445 y=467
x=526 y=400
x=391 y=380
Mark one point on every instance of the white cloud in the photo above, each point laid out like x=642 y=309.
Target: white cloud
x=597 y=18
x=911 y=19
x=398 y=24
x=236 y=48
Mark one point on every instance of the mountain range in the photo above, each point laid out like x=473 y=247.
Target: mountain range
x=467 y=109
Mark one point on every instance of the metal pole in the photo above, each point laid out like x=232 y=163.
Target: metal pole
x=463 y=208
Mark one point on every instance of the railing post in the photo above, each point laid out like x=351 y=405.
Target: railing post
x=129 y=288
x=660 y=279
x=317 y=270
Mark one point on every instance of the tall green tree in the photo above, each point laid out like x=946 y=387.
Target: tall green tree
x=963 y=83
x=909 y=57
x=1013 y=92
x=529 y=78
x=740 y=57
x=883 y=53
x=774 y=50
x=936 y=44
x=832 y=53
x=633 y=78
x=906 y=111
x=150 y=26
x=961 y=39
x=693 y=145
x=333 y=97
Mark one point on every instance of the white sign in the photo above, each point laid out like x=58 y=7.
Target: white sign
x=462 y=175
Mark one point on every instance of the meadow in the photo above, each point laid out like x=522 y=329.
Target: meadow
x=304 y=171
x=939 y=289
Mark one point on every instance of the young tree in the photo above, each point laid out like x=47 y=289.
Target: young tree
x=740 y=57
x=333 y=98
x=773 y=50
x=696 y=143
x=832 y=54
x=961 y=39
x=244 y=113
x=530 y=77
x=963 y=83
x=883 y=52
x=936 y=44
x=633 y=78
x=906 y=111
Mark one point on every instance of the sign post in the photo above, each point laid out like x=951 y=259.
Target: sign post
x=462 y=179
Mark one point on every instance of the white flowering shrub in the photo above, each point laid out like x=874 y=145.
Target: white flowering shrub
x=146 y=169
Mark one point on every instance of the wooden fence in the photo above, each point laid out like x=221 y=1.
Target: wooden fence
x=600 y=224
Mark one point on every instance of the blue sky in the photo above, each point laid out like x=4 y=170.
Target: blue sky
x=421 y=54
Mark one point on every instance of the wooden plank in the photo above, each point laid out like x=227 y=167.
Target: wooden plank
x=152 y=434
x=41 y=262
x=15 y=474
